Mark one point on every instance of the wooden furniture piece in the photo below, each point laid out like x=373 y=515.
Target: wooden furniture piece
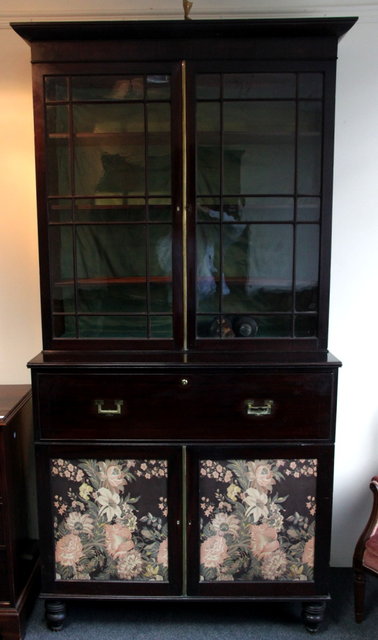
x=365 y=558
x=19 y=575
x=185 y=399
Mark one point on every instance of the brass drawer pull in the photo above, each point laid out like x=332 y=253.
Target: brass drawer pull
x=264 y=408
x=109 y=412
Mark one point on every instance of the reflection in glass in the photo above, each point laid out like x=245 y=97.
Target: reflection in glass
x=208 y=86
x=60 y=210
x=158 y=87
x=109 y=149
x=160 y=209
x=57 y=119
x=309 y=147
x=112 y=326
x=208 y=149
x=58 y=173
x=208 y=266
x=259 y=85
x=108 y=209
x=56 y=88
x=160 y=267
x=266 y=209
x=306 y=326
x=161 y=327
x=310 y=85
x=307 y=267
x=159 y=148
x=128 y=87
x=308 y=209
x=61 y=253
x=103 y=251
x=64 y=326
x=259 y=147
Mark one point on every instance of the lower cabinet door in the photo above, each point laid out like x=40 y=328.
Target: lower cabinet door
x=110 y=519
x=259 y=520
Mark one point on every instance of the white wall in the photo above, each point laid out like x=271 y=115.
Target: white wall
x=354 y=300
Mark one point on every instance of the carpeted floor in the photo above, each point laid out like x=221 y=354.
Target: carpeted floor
x=189 y=621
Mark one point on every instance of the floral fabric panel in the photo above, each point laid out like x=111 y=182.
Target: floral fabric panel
x=110 y=519
x=257 y=519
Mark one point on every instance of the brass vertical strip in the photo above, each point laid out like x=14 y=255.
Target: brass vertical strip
x=184 y=525
x=184 y=209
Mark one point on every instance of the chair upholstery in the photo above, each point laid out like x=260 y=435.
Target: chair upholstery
x=365 y=559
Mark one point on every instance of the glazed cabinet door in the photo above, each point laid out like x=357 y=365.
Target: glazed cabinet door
x=110 y=520
x=258 y=194
x=259 y=521
x=109 y=140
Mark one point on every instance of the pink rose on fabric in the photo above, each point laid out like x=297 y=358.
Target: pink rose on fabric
x=260 y=475
x=309 y=552
x=213 y=551
x=68 y=550
x=162 y=556
x=263 y=540
x=264 y=477
x=112 y=476
x=118 y=540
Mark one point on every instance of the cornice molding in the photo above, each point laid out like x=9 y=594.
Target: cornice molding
x=366 y=12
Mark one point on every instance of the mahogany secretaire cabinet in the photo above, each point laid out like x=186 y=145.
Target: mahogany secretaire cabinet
x=19 y=575
x=185 y=400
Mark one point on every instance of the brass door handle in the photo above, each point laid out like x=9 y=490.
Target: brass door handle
x=118 y=404
x=258 y=408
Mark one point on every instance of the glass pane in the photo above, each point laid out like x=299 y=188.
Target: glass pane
x=112 y=327
x=310 y=85
x=56 y=88
x=158 y=87
x=208 y=149
x=214 y=326
x=159 y=149
x=244 y=326
x=160 y=267
x=57 y=119
x=160 y=209
x=112 y=297
x=128 y=87
x=259 y=153
x=63 y=297
x=208 y=86
x=267 y=532
x=208 y=267
x=107 y=209
x=61 y=253
x=114 y=522
x=277 y=326
x=235 y=239
x=58 y=167
x=309 y=147
x=259 y=85
x=161 y=327
x=60 y=210
x=101 y=252
x=263 y=209
x=208 y=209
x=306 y=326
x=64 y=326
x=270 y=259
x=109 y=149
x=308 y=209
x=307 y=267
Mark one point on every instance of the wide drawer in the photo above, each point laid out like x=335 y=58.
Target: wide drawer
x=191 y=406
